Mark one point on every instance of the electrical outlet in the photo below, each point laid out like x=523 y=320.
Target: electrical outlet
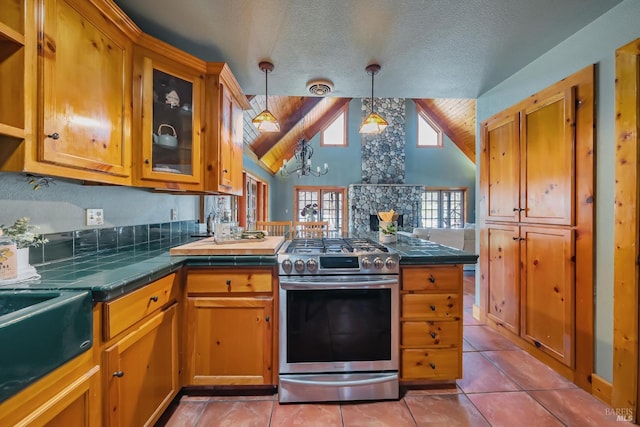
x=95 y=217
x=174 y=214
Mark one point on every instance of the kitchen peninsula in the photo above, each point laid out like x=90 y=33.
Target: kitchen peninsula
x=162 y=322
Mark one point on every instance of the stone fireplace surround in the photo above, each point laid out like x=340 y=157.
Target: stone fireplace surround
x=369 y=199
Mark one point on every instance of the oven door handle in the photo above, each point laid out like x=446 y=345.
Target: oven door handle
x=332 y=284
x=330 y=383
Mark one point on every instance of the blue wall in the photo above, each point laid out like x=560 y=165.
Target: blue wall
x=594 y=44
x=446 y=166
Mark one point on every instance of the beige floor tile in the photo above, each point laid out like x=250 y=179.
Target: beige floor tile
x=511 y=409
x=186 y=414
x=527 y=371
x=484 y=338
x=481 y=376
x=248 y=413
x=306 y=415
x=449 y=410
x=377 y=414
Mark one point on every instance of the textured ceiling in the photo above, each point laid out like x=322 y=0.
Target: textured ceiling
x=427 y=48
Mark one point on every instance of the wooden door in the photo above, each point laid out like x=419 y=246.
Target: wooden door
x=548 y=292
x=502 y=243
x=141 y=371
x=229 y=341
x=547 y=171
x=500 y=169
x=86 y=90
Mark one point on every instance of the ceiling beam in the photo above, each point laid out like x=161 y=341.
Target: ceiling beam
x=266 y=141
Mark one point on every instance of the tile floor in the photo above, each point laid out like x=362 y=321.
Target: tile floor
x=502 y=386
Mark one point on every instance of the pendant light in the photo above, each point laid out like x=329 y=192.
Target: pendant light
x=265 y=121
x=373 y=123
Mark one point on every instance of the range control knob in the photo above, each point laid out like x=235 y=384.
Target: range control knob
x=390 y=263
x=377 y=263
x=366 y=263
x=287 y=265
x=299 y=265
x=312 y=265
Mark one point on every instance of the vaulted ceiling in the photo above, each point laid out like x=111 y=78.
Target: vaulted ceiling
x=443 y=52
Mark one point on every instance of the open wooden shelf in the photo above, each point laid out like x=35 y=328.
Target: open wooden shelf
x=8 y=33
x=11 y=131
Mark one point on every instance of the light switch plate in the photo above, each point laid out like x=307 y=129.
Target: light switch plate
x=95 y=217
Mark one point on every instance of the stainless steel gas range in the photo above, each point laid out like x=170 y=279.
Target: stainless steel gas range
x=339 y=320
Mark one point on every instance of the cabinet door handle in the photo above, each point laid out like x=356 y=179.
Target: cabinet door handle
x=54 y=135
x=229 y=282
x=433 y=307
x=515 y=238
x=516 y=209
x=433 y=334
x=521 y=238
x=433 y=365
x=432 y=279
x=146 y=161
x=118 y=374
x=154 y=298
x=267 y=318
x=225 y=171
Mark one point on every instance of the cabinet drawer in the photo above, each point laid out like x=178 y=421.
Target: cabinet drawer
x=438 y=364
x=442 y=278
x=228 y=281
x=123 y=312
x=431 y=306
x=431 y=333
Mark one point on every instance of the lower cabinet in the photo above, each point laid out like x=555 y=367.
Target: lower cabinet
x=69 y=396
x=229 y=318
x=141 y=371
x=431 y=323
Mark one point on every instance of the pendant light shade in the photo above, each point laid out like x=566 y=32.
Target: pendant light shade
x=266 y=121
x=374 y=123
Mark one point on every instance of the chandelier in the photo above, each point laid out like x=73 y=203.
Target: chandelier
x=300 y=163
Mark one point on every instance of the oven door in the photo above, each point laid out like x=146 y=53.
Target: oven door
x=338 y=324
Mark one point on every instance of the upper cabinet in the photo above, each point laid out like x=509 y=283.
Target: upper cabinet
x=64 y=113
x=168 y=87
x=224 y=147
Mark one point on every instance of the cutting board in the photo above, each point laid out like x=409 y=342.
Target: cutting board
x=208 y=246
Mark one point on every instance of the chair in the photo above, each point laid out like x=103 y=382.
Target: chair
x=312 y=229
x=276 y=228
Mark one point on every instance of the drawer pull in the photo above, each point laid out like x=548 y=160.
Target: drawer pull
x=433 y=334
x=433 y=307
x=432 y=279
x=433 y=365
x=228 y=282
x=118 y=374
x=154 y=298
x=54 y=135
x=267 y=318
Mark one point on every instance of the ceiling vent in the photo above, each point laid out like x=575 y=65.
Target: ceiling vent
x=320 y=87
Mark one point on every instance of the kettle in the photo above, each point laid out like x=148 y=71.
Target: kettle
x=166 y=139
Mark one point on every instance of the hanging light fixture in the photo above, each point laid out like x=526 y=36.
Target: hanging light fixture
x=373 y=123
x=300 y=163
x=265 y=121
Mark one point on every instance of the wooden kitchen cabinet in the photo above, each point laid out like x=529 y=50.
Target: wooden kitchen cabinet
x=224 y=146
x=62 y=113
x=68 y=396
x=229 y=314
x=139 y=344
x=168 y=107
x=431 y=323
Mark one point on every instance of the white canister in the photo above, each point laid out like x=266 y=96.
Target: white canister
x=8 y=258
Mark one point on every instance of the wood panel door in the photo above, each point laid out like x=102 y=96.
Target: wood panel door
x=547 y=166
x=548 y=294
x=141 y=371
x=500 y=169
x=86 y=90
x=226 y=138
x=502 y=243
x=230 y=340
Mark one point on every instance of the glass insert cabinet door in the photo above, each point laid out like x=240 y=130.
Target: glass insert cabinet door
x=171 y=132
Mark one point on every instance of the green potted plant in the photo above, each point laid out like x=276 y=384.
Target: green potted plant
x=24 y=235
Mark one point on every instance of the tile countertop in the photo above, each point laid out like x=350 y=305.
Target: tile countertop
x=112 y=273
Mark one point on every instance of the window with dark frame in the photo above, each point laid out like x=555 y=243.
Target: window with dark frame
x=443 y=208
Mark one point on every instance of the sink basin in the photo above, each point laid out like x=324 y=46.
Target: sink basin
x=40 y=331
